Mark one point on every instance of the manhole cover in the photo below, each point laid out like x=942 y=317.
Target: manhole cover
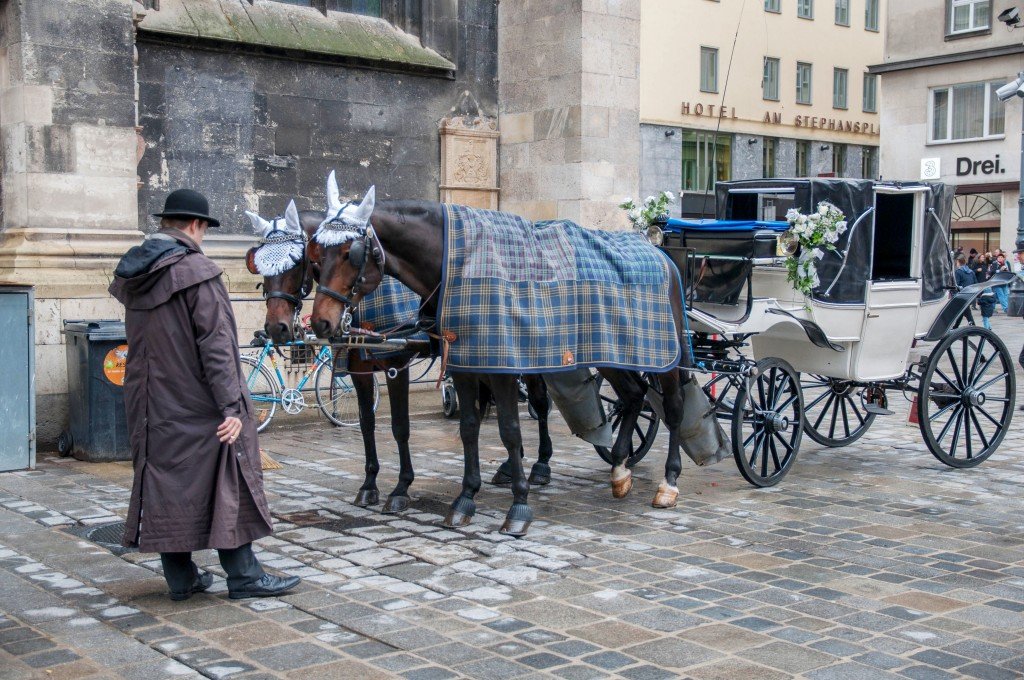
x=344 y=524
x=104 y=535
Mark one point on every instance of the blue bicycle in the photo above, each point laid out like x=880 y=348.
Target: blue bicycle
x=335 y=394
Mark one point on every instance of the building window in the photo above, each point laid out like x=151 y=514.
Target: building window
x=840 y=78
x=871 y=15
x=803 y=83
x=870 y=93
x=708 y=69
x=770 y=86
x=839 y=160
x=869 y=162
x=968 y=111
x=966 y=16
x=843 y=12
x=705 y=160
x=772 y=6
x=805 y=9
x=770 y=147
x=803 y=158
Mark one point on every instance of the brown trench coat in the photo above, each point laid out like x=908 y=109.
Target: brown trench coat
x=182 y=379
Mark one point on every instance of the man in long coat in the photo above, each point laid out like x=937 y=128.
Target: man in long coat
x=198 y=482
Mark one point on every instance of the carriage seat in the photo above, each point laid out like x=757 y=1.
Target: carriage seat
x=716 y=256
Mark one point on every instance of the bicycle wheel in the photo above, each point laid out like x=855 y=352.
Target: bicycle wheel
x=336 y=396
x=263 y=391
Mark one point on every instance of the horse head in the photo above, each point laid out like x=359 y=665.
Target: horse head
x=288 y=274
x=351 y=260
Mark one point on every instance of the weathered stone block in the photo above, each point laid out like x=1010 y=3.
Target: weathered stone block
x=516 y=127
x=60 y=201
x=104 y=151
x=31 y=104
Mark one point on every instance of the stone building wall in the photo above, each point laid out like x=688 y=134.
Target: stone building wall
x=569 y=95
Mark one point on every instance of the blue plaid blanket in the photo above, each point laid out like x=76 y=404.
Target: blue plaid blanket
x=390 y=307
x=525 y=297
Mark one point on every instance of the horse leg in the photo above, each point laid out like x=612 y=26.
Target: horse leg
x=537 y=392
x=467 y=387
x=503 y=475
x=398 y=395
x=668 y=492
x=630 y=392
x=362 y=380
x=506 y=397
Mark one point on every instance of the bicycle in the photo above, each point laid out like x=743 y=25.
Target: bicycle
x=335 y=394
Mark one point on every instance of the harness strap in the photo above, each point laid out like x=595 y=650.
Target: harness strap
x=288 y=297
x=334 y=295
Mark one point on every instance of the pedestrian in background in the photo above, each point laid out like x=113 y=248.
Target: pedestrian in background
x=1002 y=293
x=198 y=478
x=965 y=277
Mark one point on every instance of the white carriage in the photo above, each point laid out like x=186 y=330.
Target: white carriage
x=781 y=363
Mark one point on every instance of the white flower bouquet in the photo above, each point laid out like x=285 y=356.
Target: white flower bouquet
x=816 y=233
x=641 y=217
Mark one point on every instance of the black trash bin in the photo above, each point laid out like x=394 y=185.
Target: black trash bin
x=1016 y=302
x=98 y=427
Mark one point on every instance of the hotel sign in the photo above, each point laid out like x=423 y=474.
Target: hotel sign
x=774 y=118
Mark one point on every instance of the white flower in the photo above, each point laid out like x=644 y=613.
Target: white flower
x=831 y=236
x=649 y=200
x=627 y=199
x=814 y=217
x=823 y=209
x=841 y=226
x=670 y=196
x=792 y=215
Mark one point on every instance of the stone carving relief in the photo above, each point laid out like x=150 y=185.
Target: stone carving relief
x=469 y=161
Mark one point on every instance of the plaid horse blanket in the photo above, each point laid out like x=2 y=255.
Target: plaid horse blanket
x=524 y=297
x=390 y=308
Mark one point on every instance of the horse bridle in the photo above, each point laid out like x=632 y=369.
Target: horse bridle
x=306 y=285
x=357 y=256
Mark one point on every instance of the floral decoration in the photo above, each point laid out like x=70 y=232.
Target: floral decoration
x=816 y=233
x=641 y=217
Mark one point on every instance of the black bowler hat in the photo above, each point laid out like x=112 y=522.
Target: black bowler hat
x=187 y=203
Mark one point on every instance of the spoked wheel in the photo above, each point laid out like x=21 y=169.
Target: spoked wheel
x=965 y=401
x=722 y=390
x=263 y=391
x=336 y=396
x=834 y=413
x=644 y=431
x=766 y=424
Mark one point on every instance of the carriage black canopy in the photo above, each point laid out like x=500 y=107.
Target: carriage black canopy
x=844 y=273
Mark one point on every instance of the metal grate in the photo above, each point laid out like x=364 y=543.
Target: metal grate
x=107 y=536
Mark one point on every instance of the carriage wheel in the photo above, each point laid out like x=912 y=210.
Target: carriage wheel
x=766 y=424
x=644 y=431
x=965 y=400
x=834 y=413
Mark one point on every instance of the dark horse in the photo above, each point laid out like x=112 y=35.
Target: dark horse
x=404 y=239
x=284 y=292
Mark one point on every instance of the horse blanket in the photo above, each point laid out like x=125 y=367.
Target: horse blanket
x=523 y=297
x=391 y=308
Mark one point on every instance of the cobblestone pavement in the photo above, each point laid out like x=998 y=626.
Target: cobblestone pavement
x=870 y=561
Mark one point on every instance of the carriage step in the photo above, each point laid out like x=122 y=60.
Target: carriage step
x=877 y=410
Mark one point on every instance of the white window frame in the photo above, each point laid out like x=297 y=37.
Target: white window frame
x=713 y=54
x=810 y=82
x=873 y=79
x=987 y=116
x=871 y=11
x=805 y=9
x=970 y=4
x=843 y=11
x=773 y=6
x=840 y=96
x=765 y=93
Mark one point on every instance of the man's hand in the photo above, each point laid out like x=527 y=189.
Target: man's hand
x=229 y=430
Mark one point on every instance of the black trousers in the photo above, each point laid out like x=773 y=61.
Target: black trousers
x=239 y=563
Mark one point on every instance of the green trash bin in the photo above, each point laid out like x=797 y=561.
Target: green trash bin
x=98 y=426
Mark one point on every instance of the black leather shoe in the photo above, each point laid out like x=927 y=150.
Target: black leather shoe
x=266 y=586
x=202 y=582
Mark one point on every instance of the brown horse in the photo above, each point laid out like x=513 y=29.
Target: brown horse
x=285 y=289
x=404 y=239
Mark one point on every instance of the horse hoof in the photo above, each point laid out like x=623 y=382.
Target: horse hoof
x=500 y=478
x=540 y=474
x=666 y=496
x=622 y=486
x=367 y=497
x=395 y=504
x=503 y=475
x=517 y=521
x=460 y=514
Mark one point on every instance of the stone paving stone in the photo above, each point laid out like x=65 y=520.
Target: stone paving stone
x=787 y=657
x=291 y=656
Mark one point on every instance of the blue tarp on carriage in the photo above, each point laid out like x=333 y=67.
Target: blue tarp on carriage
x=525 y=297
